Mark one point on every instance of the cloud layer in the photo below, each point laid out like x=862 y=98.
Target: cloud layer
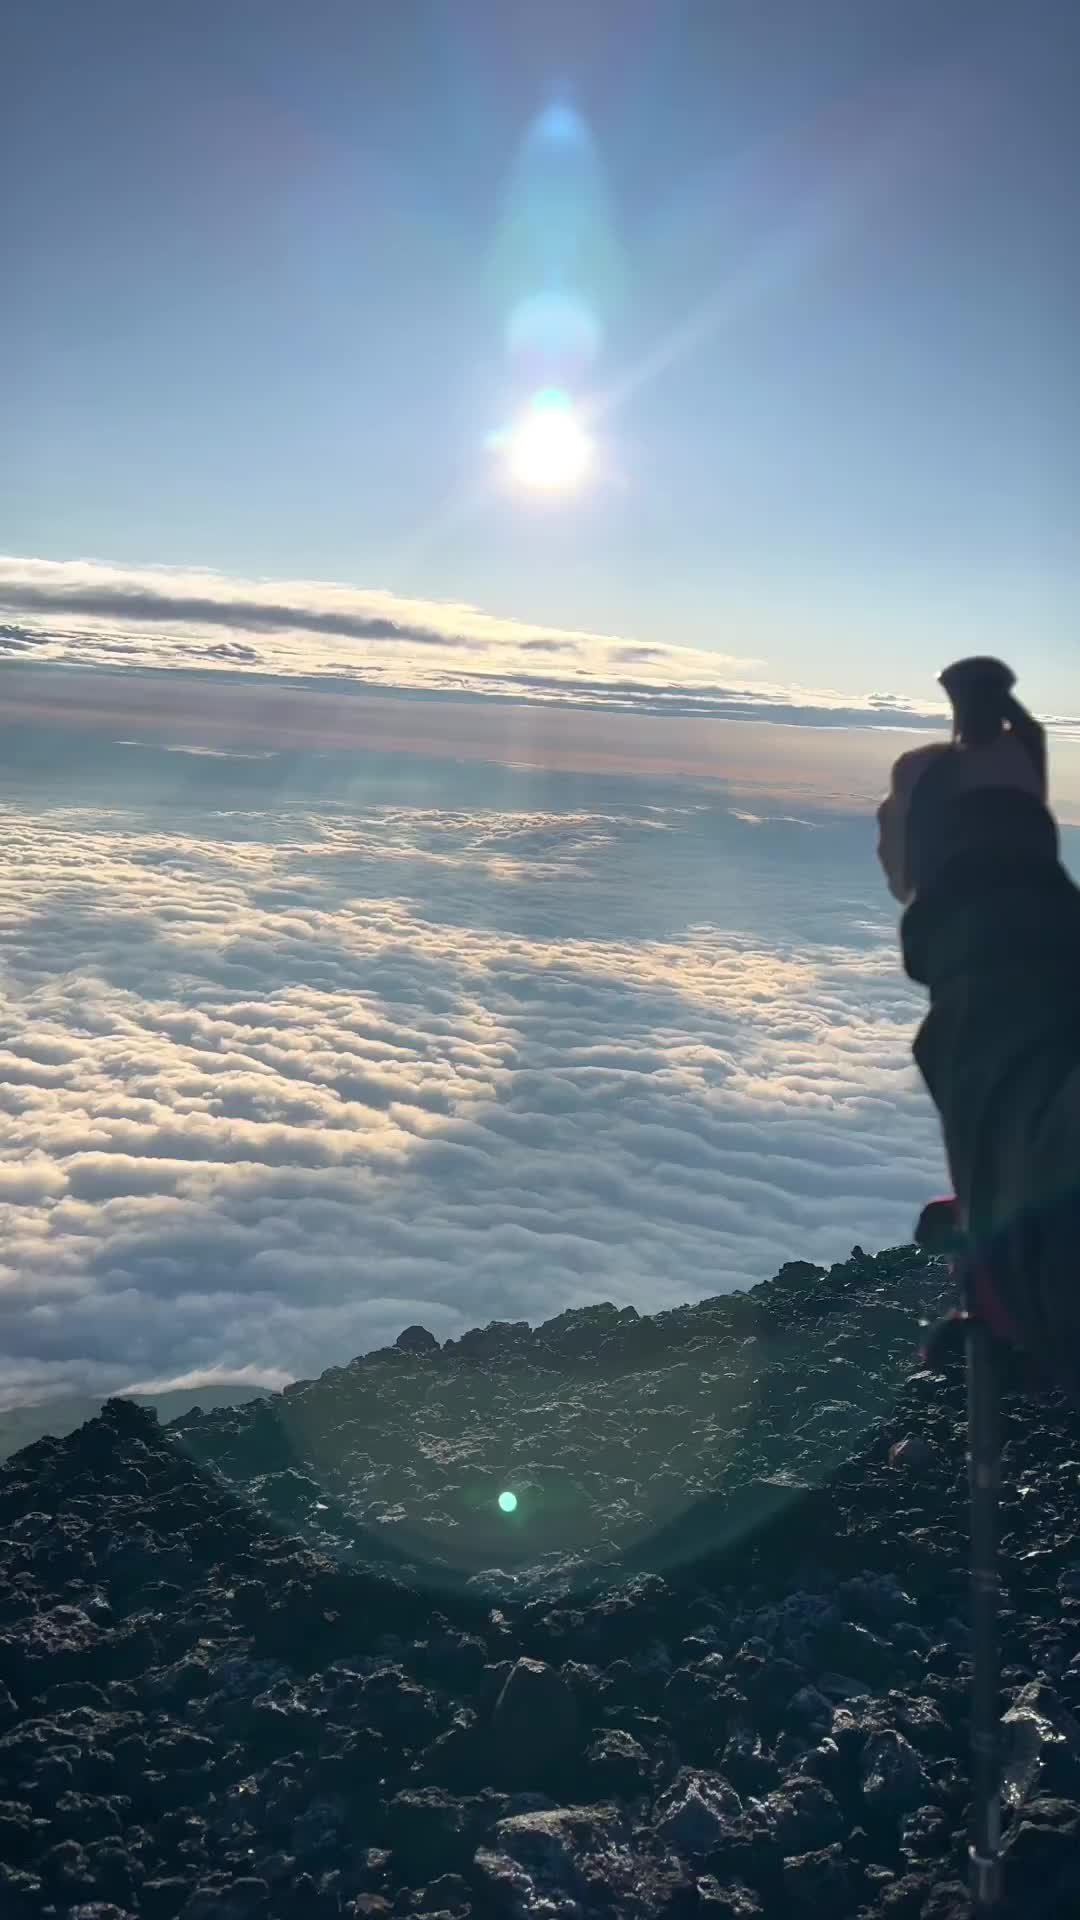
x=275 y=1082
x=93 y=614
x=370 y=961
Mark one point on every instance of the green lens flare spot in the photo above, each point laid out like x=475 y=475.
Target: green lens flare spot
x=508 y=1502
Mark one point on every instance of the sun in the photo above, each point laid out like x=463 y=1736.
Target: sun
x=549 y=448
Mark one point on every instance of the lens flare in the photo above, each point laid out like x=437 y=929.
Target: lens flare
x=552 y=335
x=549 y=447
x=508 y=1502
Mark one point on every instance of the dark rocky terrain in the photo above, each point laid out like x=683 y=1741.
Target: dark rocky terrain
x=292 y=1658
x=21 y=1425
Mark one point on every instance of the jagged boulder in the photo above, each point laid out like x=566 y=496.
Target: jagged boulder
x=416 y=1340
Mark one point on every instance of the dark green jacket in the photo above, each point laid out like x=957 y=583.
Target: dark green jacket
x=995 y=935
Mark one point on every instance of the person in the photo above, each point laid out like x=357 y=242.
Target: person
x=991 y=926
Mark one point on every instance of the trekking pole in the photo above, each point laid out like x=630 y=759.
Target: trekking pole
x=984 y=1480
x=981 y=694
x=939 y=1232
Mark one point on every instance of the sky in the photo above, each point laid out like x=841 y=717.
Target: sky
x=430 y=895
x=272 y=289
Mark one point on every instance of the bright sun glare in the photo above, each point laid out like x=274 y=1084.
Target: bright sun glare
x=549 y=447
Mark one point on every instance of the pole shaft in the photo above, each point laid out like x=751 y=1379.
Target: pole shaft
x=984 y=1474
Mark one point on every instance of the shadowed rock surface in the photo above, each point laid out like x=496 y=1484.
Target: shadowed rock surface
x=293 y=1658
x=20 y=1426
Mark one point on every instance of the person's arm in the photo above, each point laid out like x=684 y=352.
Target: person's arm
x=994 y=932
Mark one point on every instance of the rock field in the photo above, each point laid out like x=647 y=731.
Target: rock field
x=295 y=1659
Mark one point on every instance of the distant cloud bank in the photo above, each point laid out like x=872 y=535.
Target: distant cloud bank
x=85 y=612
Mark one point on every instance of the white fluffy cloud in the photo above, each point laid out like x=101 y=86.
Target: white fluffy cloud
x=275 y=1083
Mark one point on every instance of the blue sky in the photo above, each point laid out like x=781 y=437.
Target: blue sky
x=257 y=299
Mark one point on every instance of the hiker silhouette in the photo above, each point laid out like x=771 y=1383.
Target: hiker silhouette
x=991 y=925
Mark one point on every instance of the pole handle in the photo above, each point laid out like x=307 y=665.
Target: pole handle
x=980 y=690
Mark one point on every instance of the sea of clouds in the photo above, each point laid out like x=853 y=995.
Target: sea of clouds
x=277 y=1079
x=302 y=1043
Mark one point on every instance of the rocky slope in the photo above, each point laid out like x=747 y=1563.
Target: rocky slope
x=21 y=1425
x=294 y=1659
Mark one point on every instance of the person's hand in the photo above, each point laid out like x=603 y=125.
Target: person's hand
x=1007 y=763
